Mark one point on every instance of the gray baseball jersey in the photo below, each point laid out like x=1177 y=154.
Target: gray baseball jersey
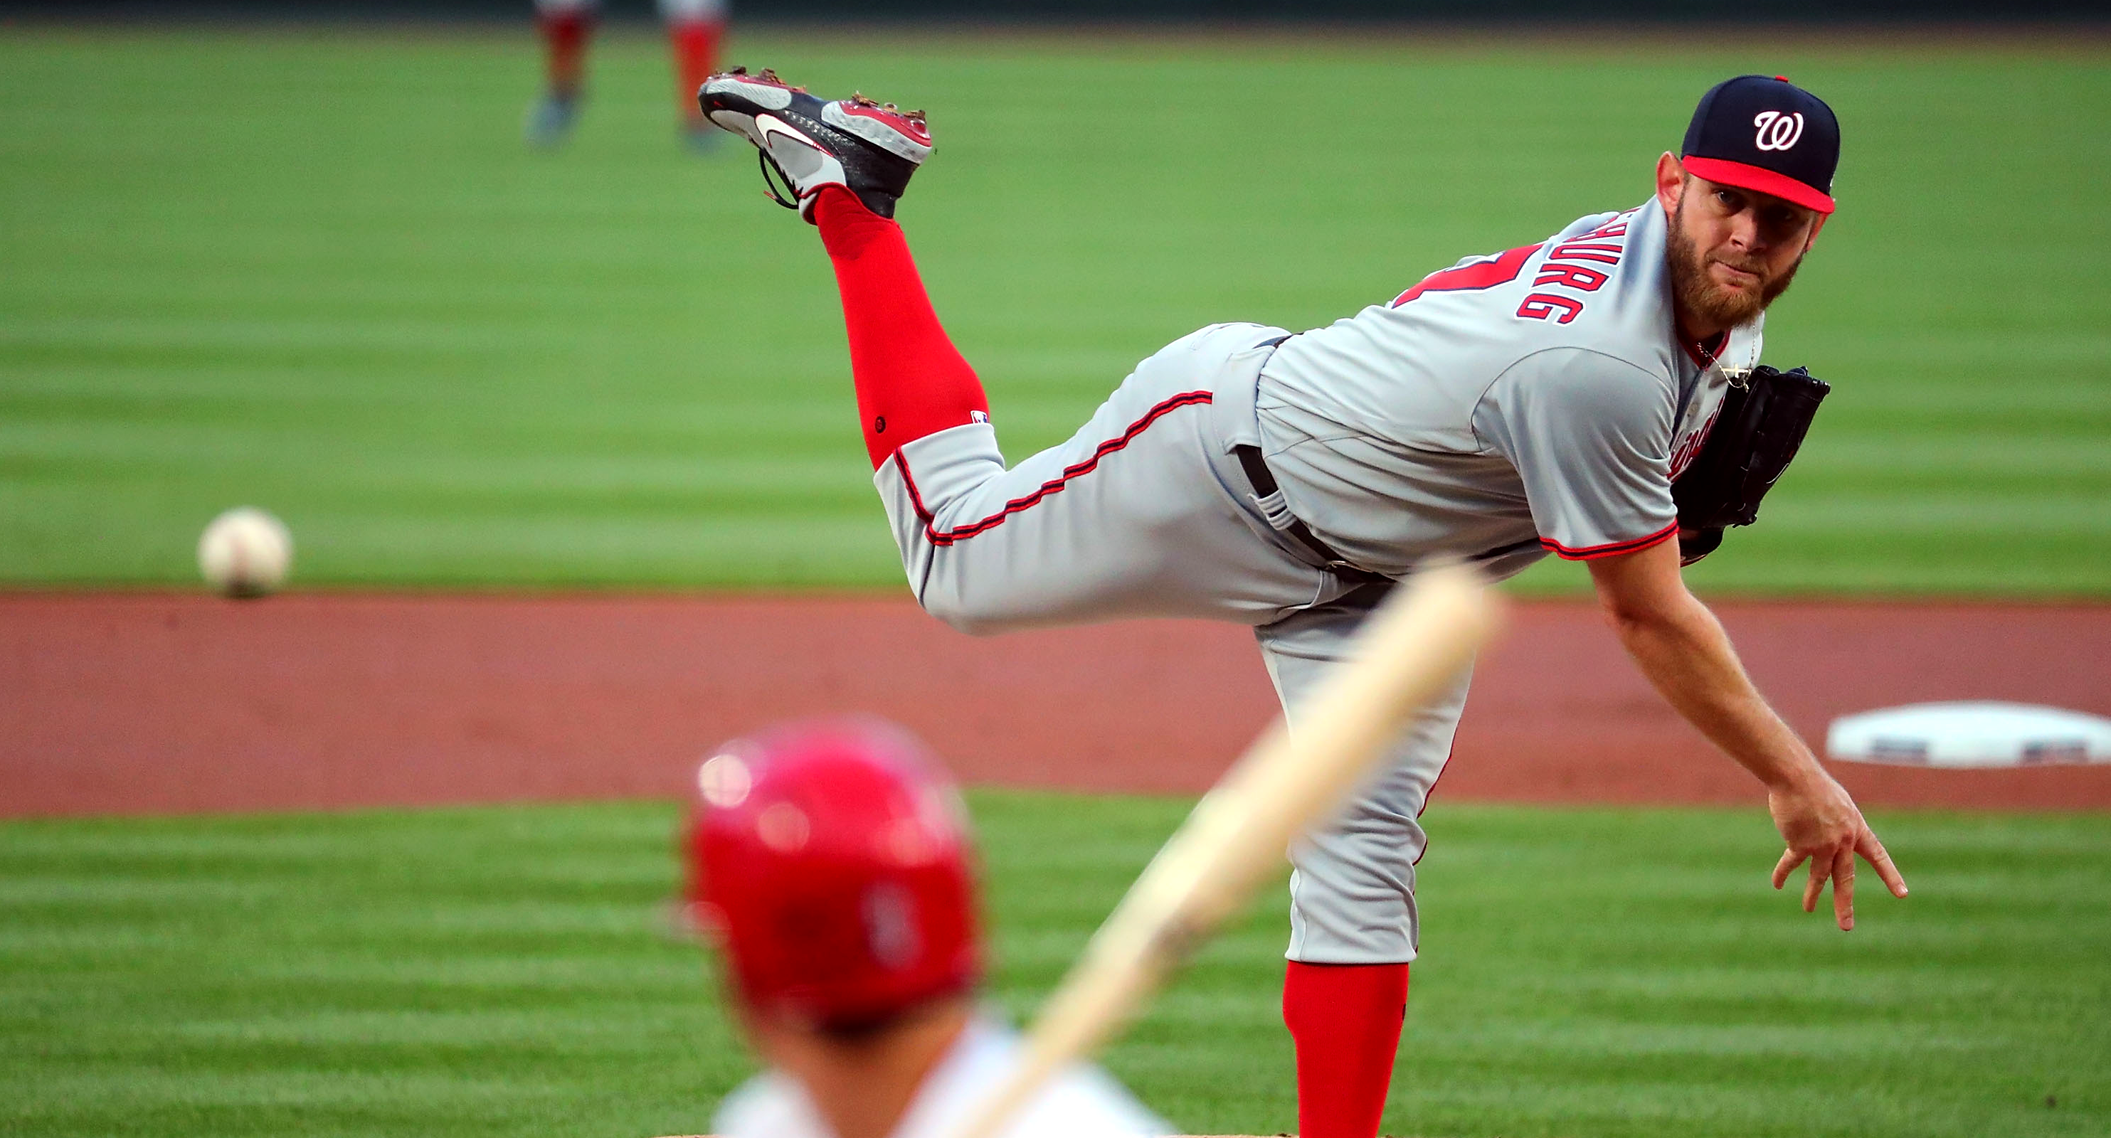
x=1533 y=401
x=1536 y=400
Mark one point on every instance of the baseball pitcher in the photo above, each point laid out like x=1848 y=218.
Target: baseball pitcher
x=1595 y=395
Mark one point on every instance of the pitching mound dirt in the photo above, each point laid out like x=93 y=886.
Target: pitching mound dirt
x=169 y=703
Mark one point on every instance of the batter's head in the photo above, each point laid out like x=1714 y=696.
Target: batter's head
x=831 y=862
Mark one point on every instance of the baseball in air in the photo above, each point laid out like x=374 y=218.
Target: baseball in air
x=245 y=552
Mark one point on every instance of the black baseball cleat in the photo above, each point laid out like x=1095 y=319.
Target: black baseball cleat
x=870 y=148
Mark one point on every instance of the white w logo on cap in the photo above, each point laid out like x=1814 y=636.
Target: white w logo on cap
x=1778 y=131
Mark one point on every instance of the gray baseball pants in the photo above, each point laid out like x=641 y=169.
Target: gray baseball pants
x=1145 y=512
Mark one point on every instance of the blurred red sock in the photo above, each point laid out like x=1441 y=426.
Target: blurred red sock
x=695 y=44
x=911 y=381
x=1345 y=1020
x=564 y=36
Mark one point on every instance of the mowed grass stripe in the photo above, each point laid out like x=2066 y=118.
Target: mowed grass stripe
x=1585 y=972
x=326 y=262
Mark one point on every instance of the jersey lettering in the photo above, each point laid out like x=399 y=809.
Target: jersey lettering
x=1603 y=252
x=1560 y=271
x=1541 y=305
x=1572 y=276
x=1690 y=446
x=1501 y=269
x=1617 y=227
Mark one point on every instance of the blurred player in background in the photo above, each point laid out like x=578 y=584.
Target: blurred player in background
x=830 y=864
x=694 y=30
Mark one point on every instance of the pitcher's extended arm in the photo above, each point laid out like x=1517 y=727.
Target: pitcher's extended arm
x=1683 y=650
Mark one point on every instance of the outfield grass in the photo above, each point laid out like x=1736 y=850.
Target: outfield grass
x=508 y=971
x=318 y=271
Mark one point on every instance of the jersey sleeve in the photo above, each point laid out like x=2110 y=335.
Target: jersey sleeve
x=1590 y=436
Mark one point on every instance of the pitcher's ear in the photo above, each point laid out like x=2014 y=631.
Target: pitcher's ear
x=1671 y=182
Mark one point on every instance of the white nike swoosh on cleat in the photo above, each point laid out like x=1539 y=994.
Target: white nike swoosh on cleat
x=740 y=124
x=808 y=164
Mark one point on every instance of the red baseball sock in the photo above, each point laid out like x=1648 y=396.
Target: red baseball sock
x=695 y=44
x=564 y=36
x=1345 y=1020
x=911 y=381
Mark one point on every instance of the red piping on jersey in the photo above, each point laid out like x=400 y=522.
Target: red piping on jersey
x=1694 y=351
x=1594 y=552
x=1431 y=792
x=1052 y=486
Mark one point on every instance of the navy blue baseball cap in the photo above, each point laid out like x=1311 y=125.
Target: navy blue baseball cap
x=1764 y=133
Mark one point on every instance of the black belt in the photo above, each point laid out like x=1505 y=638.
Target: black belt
x=1264 y=485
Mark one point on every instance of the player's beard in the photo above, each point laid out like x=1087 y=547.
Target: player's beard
x=1708 y=301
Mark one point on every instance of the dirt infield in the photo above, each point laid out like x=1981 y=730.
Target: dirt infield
x=174 y=703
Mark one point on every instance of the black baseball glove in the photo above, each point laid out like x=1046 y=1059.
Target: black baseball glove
x=1762 y=422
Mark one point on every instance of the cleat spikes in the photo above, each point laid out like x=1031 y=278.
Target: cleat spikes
x=805 y=144
x=766 y=75
x=861 y=99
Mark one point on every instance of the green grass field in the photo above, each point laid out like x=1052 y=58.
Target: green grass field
x=317 y=270
x=508 y=971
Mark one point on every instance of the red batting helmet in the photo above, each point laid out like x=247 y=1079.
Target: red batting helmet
x=831 y=860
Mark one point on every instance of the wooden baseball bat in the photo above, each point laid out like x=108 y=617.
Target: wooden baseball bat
x=1406 y=653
